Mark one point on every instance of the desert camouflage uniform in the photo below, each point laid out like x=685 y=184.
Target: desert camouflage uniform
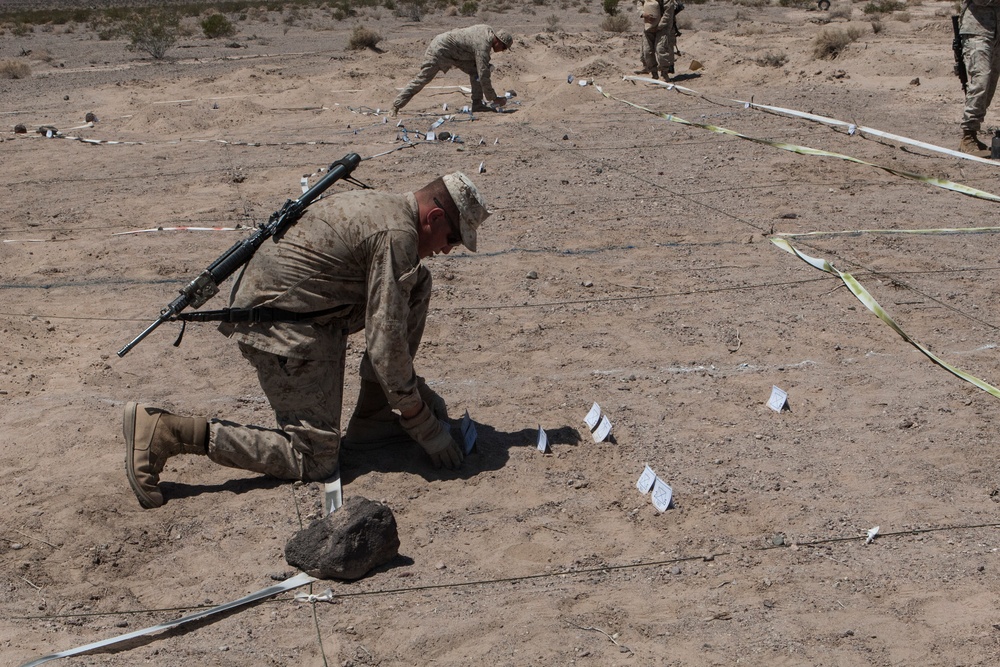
x=981 y=51
x=469 y=50
x=355 y=256
x=658 y=44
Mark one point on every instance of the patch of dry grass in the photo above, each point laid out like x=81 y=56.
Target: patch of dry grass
x=831 y=41
x=14 y=69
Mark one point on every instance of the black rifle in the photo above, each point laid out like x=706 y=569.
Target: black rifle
x=206 y=285
x=956 y=47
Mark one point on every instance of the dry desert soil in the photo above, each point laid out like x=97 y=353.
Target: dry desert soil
x=628 y=262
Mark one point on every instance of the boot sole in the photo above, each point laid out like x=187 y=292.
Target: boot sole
x=129 y=429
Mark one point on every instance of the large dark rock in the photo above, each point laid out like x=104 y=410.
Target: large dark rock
x=347 y=544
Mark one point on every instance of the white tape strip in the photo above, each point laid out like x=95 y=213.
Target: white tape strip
x=181 y=229
x=298 y=580
x=851 y=128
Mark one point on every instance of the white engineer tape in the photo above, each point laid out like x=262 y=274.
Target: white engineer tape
x=858 y=290
x=851 y=128
x=297 y=581
x=806 y=150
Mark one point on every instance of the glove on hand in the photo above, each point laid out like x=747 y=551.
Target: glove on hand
x=432 y=399
x=428 y=431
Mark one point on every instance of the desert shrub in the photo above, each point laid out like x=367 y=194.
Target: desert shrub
x=684 y=22
x=410 y=11
x=584 y=9
x=21 y=29
x=217 y=25
x=615 y=23
x=876 y=26
x=610 y=7
x=842 y=11
x=152 y=31
x=883 y=6
x=14 y=69
x=831 y=41
x=552 y=23
x=469 y=8
x=751 y=3
x=363 y=38
x=42 y=55
x=903 y=17
x=771 y=59
x=796 y=3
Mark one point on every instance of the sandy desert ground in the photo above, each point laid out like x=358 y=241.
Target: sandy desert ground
x=628 y=262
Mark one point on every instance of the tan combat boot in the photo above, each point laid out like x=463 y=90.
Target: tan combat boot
x=151 y=437
x=373 y=423
x=972 y=145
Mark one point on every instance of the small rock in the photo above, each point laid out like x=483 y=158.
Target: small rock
x=66 y=98
x=280 y=576
x=347 y=544
x=778 y=540
x=981 y=568
x=121 y=624
x=90 y=117
x=788 y=216
x=20 y=129
x=769 y=604
x=915 y=81
x=46 y=129
x=532 y=275
x=906 y=423
x=847 y=633
x=676 y=569
x=587 y=283
x=17 y=546
x=565 y=137
x=440 y=566
x=223 y=648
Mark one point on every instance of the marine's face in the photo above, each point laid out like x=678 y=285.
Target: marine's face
x=436 y=235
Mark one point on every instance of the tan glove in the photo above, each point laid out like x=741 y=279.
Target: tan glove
x=432 y=399
x=431 y=434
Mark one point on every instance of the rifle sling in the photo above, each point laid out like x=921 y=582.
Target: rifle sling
x=257 y=314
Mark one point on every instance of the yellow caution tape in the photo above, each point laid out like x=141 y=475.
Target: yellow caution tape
x=871 y=304
x=805 y=150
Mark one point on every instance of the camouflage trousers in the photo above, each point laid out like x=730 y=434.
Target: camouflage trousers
x=428 y=70
x=307 y=397
x=658 y=49
x=982 y=62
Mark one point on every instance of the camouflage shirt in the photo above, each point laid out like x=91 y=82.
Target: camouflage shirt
x=354 y=254
x=466 y=48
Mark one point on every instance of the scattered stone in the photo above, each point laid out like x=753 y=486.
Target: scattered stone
x=20 y=129
x=906 y=423
x=441 y=566
x=532 y=275
x=915 y=81
x=280 y=576
x=121 y=624
x=90 y=117
x=45 y=129
x=676 y=569
x=17 y=546
x=565 y=137
x=769 y=604
x=587 y=283
x=347 y=544
x=789 y=216
x=778 y=540
x=66 y=98
x=847 y=633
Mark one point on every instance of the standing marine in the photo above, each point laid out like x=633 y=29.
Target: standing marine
x=978 y=29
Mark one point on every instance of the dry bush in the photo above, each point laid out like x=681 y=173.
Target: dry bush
x=902 y=17
x=552 y=23
x=876 y=26
x=469 y=8
x=771 y=59
x=14 y=69
x=757 y=4
x=883 y=6
x=684 y=22
x=151 y=31
x=831 y=41
x=615 y=23
x=363 y=38
x=42 y=55
x=842 y=11
x=749 y=29
x=409 y=11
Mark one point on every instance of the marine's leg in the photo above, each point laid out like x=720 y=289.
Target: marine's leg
x=306 y=398
x=428 y=70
